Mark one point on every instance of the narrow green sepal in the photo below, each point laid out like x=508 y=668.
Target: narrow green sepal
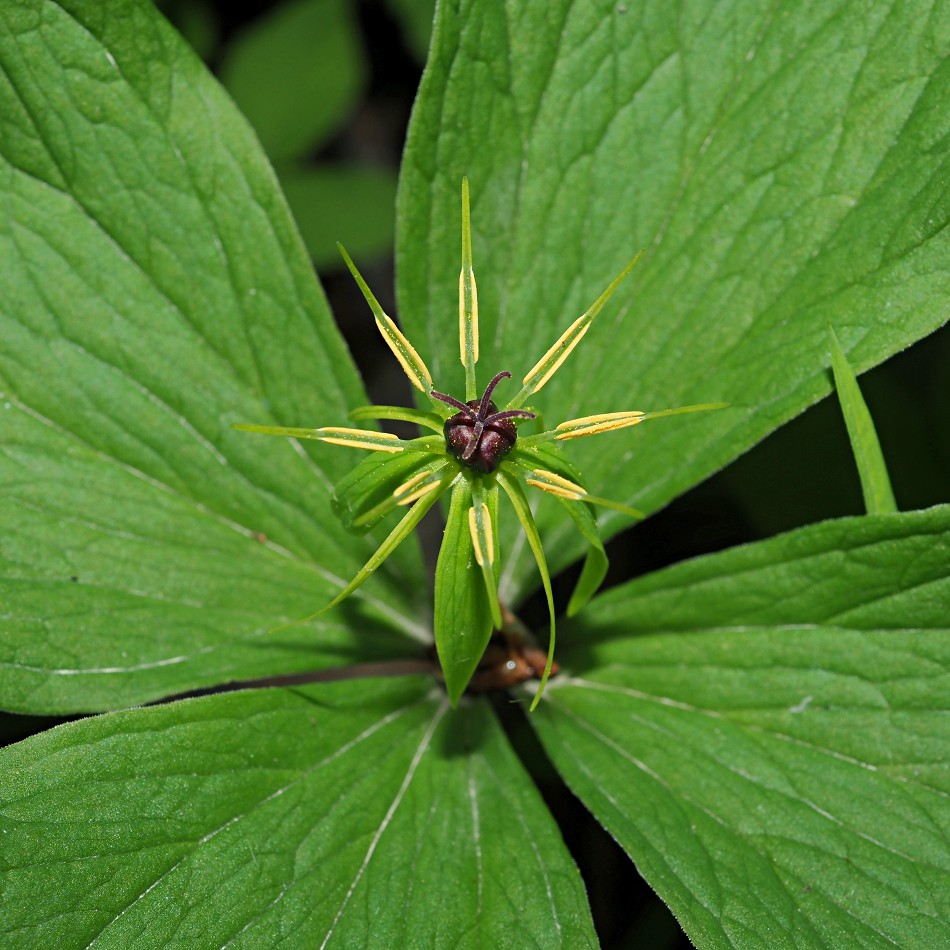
x=595 y=562
x=511 y=483
x=428 y=420
x=463 y=616
x=872 y=469
x=402 y=531
x=582 y=514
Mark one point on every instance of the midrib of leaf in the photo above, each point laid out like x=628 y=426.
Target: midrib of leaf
x=303 y=776
x=421 y=749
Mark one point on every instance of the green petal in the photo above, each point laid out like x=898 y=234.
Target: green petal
x=595 y=562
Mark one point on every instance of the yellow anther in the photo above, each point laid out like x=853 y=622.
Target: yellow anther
x=359 y=439
x=591 y=425
x=556 y=485
x=486 y=555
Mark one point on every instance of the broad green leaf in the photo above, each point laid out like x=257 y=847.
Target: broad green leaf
x=355 y=814
x=296 y=74
x=154 y=293
x=783 y=168
x=463 y=616
x=350 y=205
x=765 y=732
x=875 y=483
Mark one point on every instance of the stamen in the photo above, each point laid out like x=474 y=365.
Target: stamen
x=487 y=556
x=402 y=349
x=418 y=486
x=359 y=439
x=591 y=425
x=556 y=485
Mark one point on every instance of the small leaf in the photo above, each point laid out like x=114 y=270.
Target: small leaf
x=875 y=483
x=463 y=615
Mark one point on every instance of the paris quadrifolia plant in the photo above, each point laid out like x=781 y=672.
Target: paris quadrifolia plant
x=476 y=452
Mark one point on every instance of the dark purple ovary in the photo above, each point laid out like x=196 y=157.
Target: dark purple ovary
x=497 y=438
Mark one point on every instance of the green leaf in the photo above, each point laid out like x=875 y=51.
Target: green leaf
x=355 y=814
x=347 y=205
x=765 y=732
x=296 y=74
x=463 y=615
x=875 y=483
x=155 y=292
x=782 y=170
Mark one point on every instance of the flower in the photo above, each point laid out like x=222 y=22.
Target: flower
x=476 y=450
